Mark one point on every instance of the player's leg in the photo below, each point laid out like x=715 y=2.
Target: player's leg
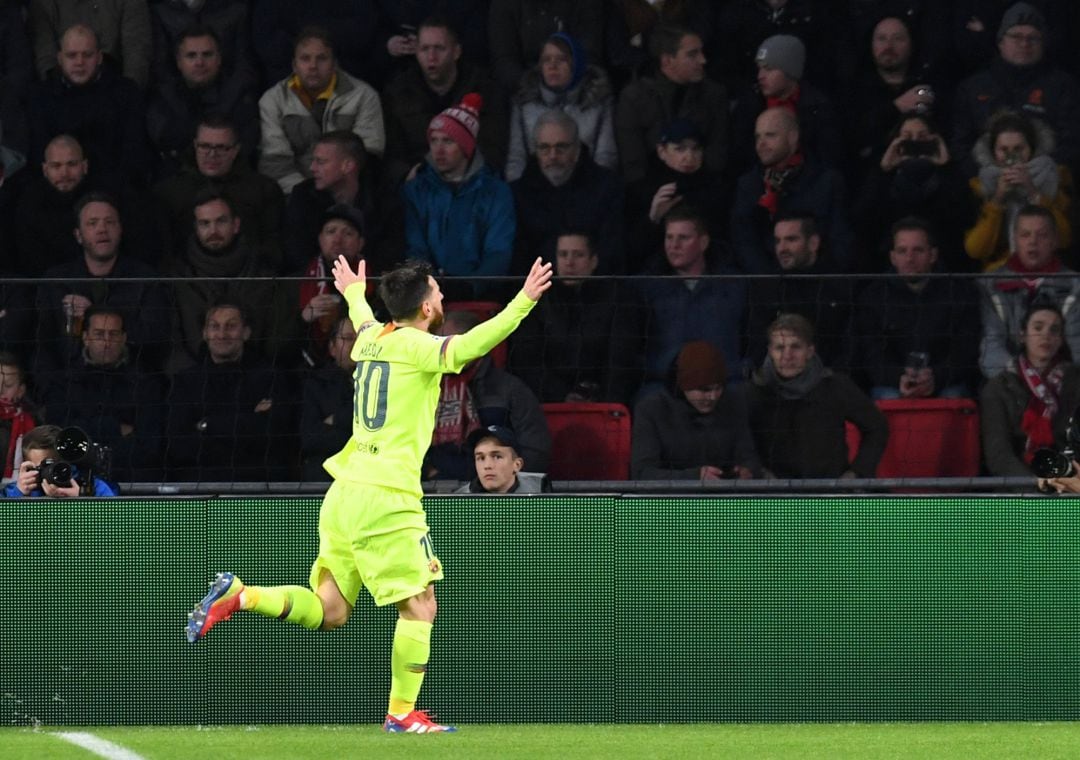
x=229 y=595
x=412 y=648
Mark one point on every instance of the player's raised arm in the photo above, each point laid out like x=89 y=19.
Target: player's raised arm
x=344 y=276
x=538 y=279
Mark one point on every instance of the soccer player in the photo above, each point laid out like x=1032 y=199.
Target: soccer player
x=373 y=532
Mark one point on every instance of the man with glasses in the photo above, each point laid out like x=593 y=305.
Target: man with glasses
x=1020 y=79
x=257 y=200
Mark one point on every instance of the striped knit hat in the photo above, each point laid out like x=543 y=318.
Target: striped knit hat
x=461 y=123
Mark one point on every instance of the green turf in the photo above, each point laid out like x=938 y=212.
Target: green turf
x=880 y=741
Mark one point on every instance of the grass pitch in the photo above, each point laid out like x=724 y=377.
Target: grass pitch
x=879 y=741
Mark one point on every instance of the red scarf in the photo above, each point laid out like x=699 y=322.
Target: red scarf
x=776 y=177
x=21 y=422
x=1026 y=280
x=456 y=416
x=321 y=282
x=791 y=102
x=1037 y=422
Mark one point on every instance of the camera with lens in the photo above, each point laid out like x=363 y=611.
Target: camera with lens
x=55 y=472
x=1051 y=463
x=74 y=448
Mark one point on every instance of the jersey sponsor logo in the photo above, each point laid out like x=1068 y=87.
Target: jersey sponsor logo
x=367 y=448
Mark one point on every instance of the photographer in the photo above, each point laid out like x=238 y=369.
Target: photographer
x=43 y=473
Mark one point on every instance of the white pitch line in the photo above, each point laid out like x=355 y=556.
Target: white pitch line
x=97 y=745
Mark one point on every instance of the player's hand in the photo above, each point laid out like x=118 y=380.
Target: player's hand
x=538 y=280
x=344 y=276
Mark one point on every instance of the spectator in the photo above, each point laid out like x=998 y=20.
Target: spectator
x=99 y=276
x=122 y=27
x=17 y=411
x=38 y=447
x=798 y=409
x=583 y=341
x=786 y=180
x=217 y=265
x=226 y=21
x=198 y=85
x=86 y=99
x=917 y=335
x=518 y=29
x=109 y=398
x=229 y=416
x=459 y=215
x=439 y=80
x=1035 y=271
x=327 y=412
x=258 y=201
x=914 y=176
x=45 y=214
x=400 y=23
x=697 y=428
x=781 y=60
x=317 y=98
x=1022 y=80
x=1015 y=169
x=563 y=79
x=563 y=188
x=679 y=89
x=687 y=291
x=824 y=301
x=631 y=24
x=16 y=73
x=498 y=464
x=482 y=395
x=1027 y=406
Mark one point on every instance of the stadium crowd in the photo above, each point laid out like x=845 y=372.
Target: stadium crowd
x=765 y=216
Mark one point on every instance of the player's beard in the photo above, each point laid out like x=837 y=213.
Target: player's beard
x=436 y=322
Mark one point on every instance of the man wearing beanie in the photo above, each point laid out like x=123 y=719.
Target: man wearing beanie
x=781 y=61
x=1020 y=79
x=696 y=429
x=459 y=215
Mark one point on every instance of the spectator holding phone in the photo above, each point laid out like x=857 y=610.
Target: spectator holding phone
x=1016 y=169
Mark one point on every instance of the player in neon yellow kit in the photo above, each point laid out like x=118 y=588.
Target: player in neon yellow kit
x=372 y=529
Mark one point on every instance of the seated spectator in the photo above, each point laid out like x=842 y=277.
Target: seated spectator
x=217 y=265
x=914 y=176
x=676 y=304
x=583 y=341
x=220 y=166
x=679 y=89
x=327 y=408
x=437 y=80
x=109 y=398
x=101 y=275
x=498 y=464
x=229 y=417
x=17 y=411
x=917 y=336
x=1015 y=170
x=825 y=301
x=1036 y=270
x=631 y=24
x=676 y=174
x=317 y=98
x=563 y=188
x=196 y=86
x=86 y=99
x=482 y=395
x=226 y=20
x=518 y=29
x=39 y=447
x=459 y=216
x=121 y=26
x=1019 y=79
x=399 y=33
x=785 y=180
x=1027 y=406
x=563 y=79
x=780 y=84
x=16 y=73
x=697 y=428
x=798 y=409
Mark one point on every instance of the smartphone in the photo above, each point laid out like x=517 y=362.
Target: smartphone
x=918 y=148
x=917 y=360
x=407 y=30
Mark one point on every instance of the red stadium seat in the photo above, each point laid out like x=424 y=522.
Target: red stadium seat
x=928 y=438
x=589 y=441
x=485 y=310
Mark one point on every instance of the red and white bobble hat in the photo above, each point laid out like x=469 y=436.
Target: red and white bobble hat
x=461 y=123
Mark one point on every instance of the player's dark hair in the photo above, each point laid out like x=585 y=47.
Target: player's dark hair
x=405 y=288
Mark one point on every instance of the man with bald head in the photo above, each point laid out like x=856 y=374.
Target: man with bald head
x=121 y=27
x=786 y=180
x=45 y=214
x=88 y=100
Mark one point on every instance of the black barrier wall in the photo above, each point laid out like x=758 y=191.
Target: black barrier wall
x=561 y=609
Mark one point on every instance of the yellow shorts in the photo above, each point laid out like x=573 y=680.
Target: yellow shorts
x=375 y=538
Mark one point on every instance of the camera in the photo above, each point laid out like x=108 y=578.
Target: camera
x=1050 y=463
x=74 y=447
x=55 y=472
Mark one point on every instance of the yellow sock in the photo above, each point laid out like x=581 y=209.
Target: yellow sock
x=408 y=663
x=295 y=604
